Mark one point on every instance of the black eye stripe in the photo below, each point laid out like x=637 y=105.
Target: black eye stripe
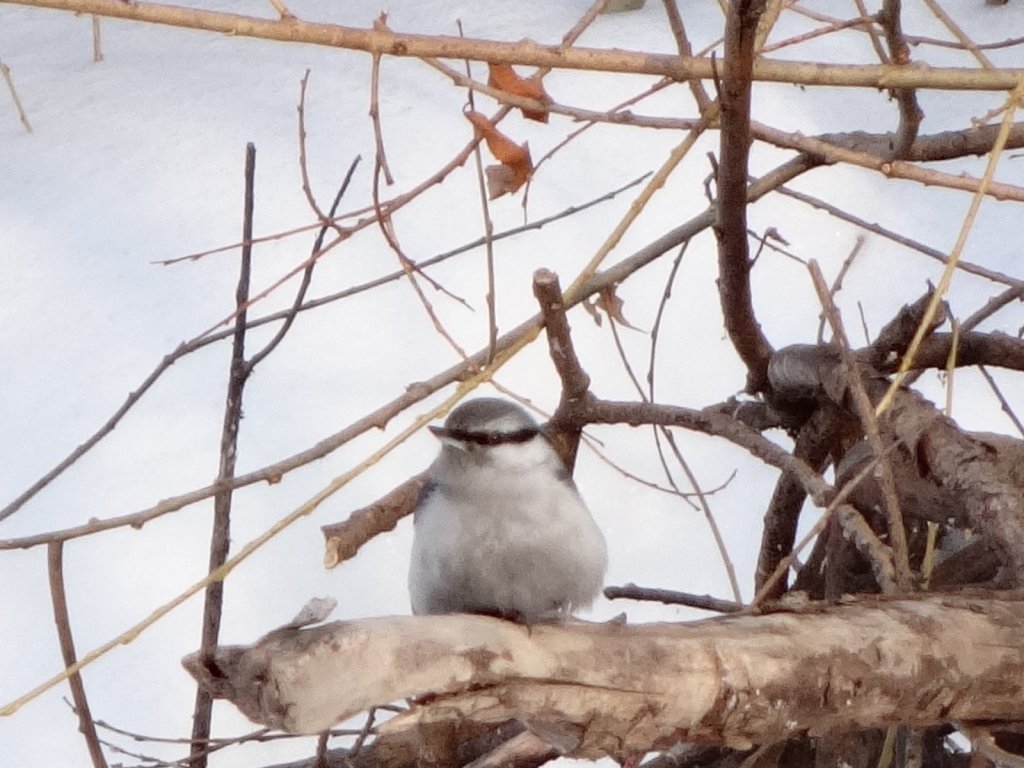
x=492 y=438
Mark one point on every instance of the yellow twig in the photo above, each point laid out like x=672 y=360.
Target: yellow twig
x=947 y=274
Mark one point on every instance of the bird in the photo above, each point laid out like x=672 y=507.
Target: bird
x=499 y=528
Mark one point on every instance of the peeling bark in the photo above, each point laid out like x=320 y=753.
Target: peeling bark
x=604 y=689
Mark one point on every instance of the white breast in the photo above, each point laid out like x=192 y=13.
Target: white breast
x=510 y=537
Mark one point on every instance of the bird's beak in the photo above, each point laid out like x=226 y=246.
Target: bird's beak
x=446 y=438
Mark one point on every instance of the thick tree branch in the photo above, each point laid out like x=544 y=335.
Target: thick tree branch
x=731 y=199
x=610 y=689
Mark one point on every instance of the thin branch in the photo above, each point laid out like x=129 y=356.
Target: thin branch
x=675 y=23
x=813 y=445
x=188 y=347
x=566 y=424
x=866 y=413
x=828 y=152
x=703 y=602
x=6 y=72
x=86 y=726
x=97 y=46
x=307 y=189
x=378 y=138
x=958 y=33
x=220 y=537
x=282 y=9
x=386 y=226
x=1007 y=409
x=289 y=315
x=488 y=236
x=684 y=465
x=899 y=54
x=533 y=54
x=896 y=237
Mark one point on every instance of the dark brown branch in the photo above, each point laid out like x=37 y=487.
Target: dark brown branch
x=220 y=538
x=343 y=540
x=731 y=210
x=669 y=597
x=566 y=426
x=715 y=422
x=813 y=445
x=899 y=54
x=86 y=726
x=996 y=349
x=307 y=276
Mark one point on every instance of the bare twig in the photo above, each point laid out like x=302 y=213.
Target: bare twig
x=675 y=22
x=828 y=152
x=378 y=138
x=866 y=414
x=343 y=540
x=220 y=538
x=1007 y=409
x=488 y=236
x=307 y=276
x=86 y=726
x=837 y=283
x=899 y=55
x=958 y=33
x=896 y=237
x=6 y=72
x=684 y=465
x=97 y=46
x=307 y=189
x=410 y=268
x=567 y=424
x=704 y=602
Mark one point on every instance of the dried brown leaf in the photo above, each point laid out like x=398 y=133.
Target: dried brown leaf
x=504 y=78
x=516 y=164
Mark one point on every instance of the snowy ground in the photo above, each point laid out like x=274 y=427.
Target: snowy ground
x=139 y=159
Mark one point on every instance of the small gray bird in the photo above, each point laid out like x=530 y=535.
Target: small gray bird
x=500 y=528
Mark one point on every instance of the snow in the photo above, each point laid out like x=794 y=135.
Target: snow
x=139 y=159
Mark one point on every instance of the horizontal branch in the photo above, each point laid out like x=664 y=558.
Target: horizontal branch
x=384 y=42
x=611 y=689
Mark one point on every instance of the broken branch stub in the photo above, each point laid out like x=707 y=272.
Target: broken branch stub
x=607 y=689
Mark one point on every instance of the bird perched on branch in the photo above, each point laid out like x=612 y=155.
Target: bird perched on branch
x=500 y=528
